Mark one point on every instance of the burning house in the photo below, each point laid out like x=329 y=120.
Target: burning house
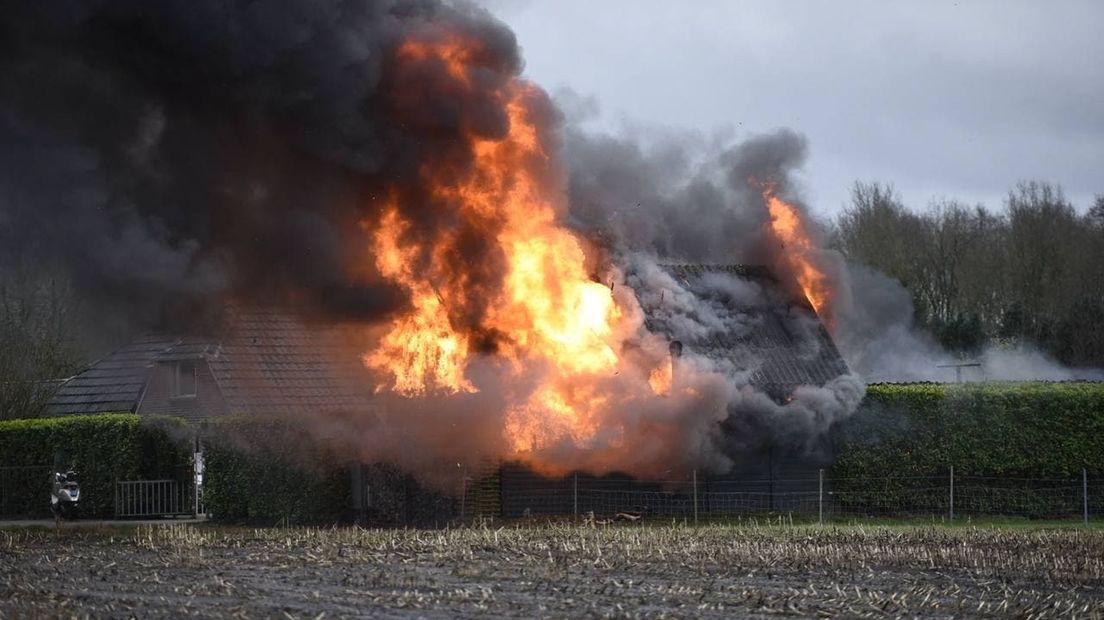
x=385 y=170
x=776 y=339
x=267 y=362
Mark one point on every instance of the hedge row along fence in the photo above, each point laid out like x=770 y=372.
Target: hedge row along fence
x=265 y=471
x=905 y=434
x=102 y=448
x=269 y=471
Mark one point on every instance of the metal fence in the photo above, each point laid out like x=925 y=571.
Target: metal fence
x=818 y=497
x=153 y=498
x=25 y=491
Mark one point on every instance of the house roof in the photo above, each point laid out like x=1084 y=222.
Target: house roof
x=263 y=361
x=113 y=383
x=779 y=340
x=267 y=361
x=273 y=363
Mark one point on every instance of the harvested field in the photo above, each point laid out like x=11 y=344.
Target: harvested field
x=558 y=571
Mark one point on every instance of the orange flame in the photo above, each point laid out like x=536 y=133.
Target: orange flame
x=798 y=250
x=546 y=313
x=661 y=379
x=421 y=350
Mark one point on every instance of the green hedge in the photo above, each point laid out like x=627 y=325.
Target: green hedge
x=993 y=429
x=103 y=448
x=267 y=471
x=909 y=436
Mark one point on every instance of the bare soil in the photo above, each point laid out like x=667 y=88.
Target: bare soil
x=557 y=571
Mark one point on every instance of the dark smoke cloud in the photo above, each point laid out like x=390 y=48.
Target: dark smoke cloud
x=685 y=198
x=657 y=197
x=681 y=196
x=167 y=154
x=171 y=156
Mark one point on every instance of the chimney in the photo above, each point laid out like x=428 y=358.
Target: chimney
x=676 y=352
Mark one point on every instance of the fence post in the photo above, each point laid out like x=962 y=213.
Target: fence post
x=952 y=494
x=1085 y=494
x=820 y=497
x=575 y=494
x=695 y=478
x=463 y=492
x=195 y=483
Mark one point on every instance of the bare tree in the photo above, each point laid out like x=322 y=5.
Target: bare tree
x=983 y=274
x=1043 y=232
x=37 y=326
x=876 y=230
x=1096 y=211
x=1031 y=274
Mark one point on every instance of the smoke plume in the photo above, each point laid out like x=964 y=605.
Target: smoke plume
x=884 y=345
x=382 y=164
x=171 y=153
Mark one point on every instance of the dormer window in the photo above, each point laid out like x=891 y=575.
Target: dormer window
x=184 y=380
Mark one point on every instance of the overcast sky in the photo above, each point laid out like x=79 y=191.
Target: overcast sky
x=954 y=99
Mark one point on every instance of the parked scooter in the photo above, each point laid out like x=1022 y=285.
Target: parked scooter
x=65 y=495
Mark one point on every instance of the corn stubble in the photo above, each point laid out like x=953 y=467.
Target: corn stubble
x=622 y=571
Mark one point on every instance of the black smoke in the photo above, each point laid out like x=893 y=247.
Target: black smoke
x=171 y=156
x=173 y=153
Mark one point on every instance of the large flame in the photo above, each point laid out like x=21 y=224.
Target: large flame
x=547 y=313
x=799 y=250
x=421 y=350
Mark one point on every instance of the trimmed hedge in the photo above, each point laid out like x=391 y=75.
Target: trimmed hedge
x=909 y=436
x=265 y=471
x=1030 y=430
x=103 y=448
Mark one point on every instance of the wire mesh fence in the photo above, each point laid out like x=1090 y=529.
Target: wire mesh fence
x=521 y=494
x=25 y=491
x=513 y=493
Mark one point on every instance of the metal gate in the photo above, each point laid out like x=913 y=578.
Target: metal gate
x=153 y=498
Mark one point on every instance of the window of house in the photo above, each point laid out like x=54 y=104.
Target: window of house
x=184 y=380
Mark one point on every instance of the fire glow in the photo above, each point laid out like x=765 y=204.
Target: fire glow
x=798 y=248
x=573 y=365
x=547 y=312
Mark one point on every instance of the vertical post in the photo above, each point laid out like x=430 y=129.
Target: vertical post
x=195 y=479
x=820 y=498
x=695 y=479
x=952 y=494
x=1085 y=495
x=463 y=492
x=770 y=478
x=575 y=494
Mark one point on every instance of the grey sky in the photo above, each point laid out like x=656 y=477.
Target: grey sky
x=956 y=100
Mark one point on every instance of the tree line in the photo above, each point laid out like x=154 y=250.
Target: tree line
x=1030 y=273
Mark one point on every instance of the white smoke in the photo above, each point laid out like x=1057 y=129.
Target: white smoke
x=878 y=336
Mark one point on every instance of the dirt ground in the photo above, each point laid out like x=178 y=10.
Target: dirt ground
x=556 y=571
